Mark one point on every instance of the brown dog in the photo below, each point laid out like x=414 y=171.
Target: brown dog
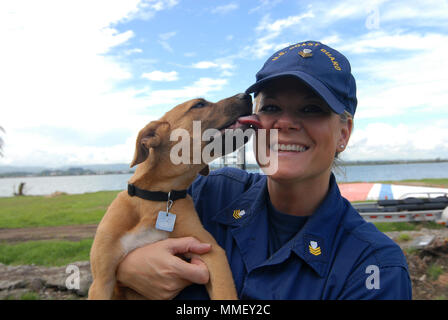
x=130 y=221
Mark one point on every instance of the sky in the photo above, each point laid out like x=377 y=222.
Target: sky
x=79 y=79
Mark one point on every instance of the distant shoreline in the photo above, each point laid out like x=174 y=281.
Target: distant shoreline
x=381 y=162
x=84 y=171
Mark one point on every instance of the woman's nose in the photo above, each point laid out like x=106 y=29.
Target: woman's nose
x=285 y=123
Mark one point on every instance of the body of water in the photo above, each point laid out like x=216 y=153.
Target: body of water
x=83 y=184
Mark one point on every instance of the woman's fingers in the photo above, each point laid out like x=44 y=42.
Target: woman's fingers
x=157 y=272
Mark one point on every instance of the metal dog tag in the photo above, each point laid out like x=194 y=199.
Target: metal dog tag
x=165 y=221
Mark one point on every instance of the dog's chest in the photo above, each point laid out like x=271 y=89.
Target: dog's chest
x=144 y=236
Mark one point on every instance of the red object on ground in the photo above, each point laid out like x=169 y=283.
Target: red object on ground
x=355 y=191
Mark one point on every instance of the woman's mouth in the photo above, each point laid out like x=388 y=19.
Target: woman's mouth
x=289 y=147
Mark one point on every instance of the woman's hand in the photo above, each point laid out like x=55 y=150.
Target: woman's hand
x=158 y=273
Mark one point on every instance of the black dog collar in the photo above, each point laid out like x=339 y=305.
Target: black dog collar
x=156 y=195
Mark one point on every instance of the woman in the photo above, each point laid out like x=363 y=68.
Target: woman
x=289 y=235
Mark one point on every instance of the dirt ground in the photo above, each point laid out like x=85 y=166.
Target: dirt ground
x=72 y=233
x=428 y=264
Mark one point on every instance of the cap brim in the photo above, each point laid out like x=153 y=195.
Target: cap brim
x=313 y=83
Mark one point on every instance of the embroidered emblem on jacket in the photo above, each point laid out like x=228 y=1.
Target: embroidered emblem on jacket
x=238 y=213
x=314 y=248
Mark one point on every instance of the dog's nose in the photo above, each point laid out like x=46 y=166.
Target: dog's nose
x=244 y=96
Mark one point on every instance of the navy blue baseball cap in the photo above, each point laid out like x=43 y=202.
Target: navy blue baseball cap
x=322 y=68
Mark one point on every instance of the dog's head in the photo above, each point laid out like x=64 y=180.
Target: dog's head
x=192 y=118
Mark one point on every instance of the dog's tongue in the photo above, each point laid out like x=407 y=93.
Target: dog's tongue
x=251 y=120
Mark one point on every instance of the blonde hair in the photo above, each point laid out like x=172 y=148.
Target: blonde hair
x=345 y=116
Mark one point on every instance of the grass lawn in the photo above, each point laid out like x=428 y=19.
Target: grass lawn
x=407 y=226
x=89 y=208
x=45 y=253
x=441 y=183
x=39 y=211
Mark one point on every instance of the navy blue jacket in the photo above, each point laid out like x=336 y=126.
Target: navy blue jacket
x=336 y=254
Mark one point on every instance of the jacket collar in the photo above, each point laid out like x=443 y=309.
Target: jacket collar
x=245 y=207
x=313 y=243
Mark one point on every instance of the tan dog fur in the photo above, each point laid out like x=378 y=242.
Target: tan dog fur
x=129 y=222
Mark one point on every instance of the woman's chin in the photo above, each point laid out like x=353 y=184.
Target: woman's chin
x=286 y=175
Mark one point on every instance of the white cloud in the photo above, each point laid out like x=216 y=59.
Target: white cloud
x=164 y=37
x=54 y=152
x=159 y=5
x=399 y=76
x=146 y=9
x=224 y=64
x=204 y=65
x=167 y=35
x=265 y=5
x=171 y=97
x=272 y=30
x=402 y=141
x=55 y=72
x=161 y=76
x=417 y=12
x=279 y=25
x=56 y=64
x=225 y=8
x=132 y=51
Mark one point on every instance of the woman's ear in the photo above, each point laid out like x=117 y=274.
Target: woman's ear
x=345 y=133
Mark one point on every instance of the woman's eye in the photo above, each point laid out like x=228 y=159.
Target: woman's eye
x=312 y=109
x=269 y=108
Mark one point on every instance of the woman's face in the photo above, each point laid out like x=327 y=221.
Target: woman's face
x=309 y=133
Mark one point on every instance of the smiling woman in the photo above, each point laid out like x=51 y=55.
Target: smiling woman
x=298 y=237
x=309 y=135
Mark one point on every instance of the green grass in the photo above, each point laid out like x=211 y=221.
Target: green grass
x=403 y=237
x=88 y=208
x=30 y=296
x=434 y=271
x=443 y=183
x=407 y=226
x=33 y=211
x=45 y=253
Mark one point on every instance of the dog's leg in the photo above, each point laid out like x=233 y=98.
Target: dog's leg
x=107 y=251
x=104 y=260
x=221 y=285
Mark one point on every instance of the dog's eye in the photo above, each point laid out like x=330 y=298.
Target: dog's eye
x=200 y=104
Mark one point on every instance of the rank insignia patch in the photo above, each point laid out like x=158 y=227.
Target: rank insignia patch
x=238 y=213
x=314 y=248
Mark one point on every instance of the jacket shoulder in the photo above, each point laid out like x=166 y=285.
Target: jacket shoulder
x=372 y=253
x=371 y=241
x=227 y=179
x=221 y=186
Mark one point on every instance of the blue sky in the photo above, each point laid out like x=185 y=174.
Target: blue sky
x=78 y=79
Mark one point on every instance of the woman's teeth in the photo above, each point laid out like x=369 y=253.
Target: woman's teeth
x=289 y=147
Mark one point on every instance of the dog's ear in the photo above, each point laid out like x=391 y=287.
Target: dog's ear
x=205 y=171
x=149 y=137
